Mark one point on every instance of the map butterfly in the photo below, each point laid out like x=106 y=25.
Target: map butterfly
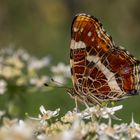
x=101 y=71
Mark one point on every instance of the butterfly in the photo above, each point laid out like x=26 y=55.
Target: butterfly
x=100 y=70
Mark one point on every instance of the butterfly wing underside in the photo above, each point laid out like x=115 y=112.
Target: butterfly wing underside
x=100 y=70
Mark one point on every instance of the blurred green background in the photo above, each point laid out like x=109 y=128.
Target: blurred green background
x=43 y=28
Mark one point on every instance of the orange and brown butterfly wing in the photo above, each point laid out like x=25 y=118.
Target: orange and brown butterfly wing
x=99 y=69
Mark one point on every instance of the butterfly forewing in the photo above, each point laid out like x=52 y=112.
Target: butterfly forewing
x=100 y=70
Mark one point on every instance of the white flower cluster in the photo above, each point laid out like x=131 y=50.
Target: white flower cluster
x=21 y=73
x=84 y=125
x=17 y=129
x=20 y=68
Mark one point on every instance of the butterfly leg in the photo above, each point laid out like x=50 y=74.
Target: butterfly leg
x=76 y=104
x=86 y=105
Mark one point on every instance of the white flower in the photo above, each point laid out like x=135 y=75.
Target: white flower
x=39 y=82
x=41 y=137
x=14 y=61
x=23 y=54
x=107 y=112
x=60 y=73
x=22 y=127
x=8 y=50
x=61 y=69
x=70 y=116
x=105 y=131
x=89 y=112
x=134 y=129
x=71 y=133
x=10 y=72
x=16 y=130
x=45 y=115
x=133 y=124
x=3 y=85
x=121 y=128
x=35 y=63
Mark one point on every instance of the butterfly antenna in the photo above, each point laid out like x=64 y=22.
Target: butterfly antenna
x=56 y=84
x=46 y=84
